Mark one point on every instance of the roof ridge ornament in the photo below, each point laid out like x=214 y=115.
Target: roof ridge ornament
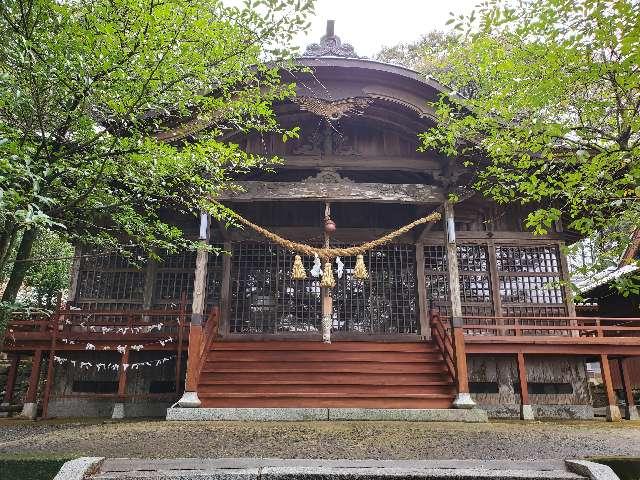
x=330 y=45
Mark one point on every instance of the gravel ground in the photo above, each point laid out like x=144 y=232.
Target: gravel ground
x=338 y=440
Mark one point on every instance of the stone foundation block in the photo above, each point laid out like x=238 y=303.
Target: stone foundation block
x=526 y=412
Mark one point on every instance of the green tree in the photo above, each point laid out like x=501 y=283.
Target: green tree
x=427 y=55
x=113 y=111
x=554 y=118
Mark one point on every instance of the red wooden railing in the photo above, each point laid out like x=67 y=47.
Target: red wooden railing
x=441 y=336
x=102 y=326
x=449 y=337
x=200 y=340
x=552 y=326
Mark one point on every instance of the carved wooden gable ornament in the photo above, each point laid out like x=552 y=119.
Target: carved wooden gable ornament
x=330 y=45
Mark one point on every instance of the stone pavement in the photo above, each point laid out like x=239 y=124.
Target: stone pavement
x=524 y=441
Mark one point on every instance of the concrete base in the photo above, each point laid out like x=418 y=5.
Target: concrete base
x=464 y=400
x=526 y=412
x=189 y=400
x=474 y=415
x=29 y=410
x=118 y=411
x=613 y=413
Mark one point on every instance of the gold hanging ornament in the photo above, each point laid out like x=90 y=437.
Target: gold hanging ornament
x=327 y=280
x=298 y=272
x=360 y=271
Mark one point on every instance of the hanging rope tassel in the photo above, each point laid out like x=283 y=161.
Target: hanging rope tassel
x=298 y=273
x=360 y=271
x=327 y=277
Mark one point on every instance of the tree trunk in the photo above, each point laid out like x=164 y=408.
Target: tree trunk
x=20 y=267
x=7 y=240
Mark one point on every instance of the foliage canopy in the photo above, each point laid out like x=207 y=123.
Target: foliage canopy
x=545 y=99
x=113 y=111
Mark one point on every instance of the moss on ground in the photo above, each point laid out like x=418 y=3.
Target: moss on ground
x=31 y=466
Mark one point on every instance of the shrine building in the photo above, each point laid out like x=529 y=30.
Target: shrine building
x=464 y=316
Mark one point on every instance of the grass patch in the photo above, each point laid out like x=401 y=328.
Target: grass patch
x=32 y=466
x=627 y=468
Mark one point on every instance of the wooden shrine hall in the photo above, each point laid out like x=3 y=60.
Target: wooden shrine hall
x=458 y=318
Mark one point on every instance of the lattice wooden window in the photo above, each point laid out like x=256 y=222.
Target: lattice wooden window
x=214 y=278
x=528 y=277
x=109 y=281
x=175 y=275
x=475 y=281
x=264 y=298
x=386 y=301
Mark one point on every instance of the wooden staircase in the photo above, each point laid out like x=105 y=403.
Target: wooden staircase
x=312 y=374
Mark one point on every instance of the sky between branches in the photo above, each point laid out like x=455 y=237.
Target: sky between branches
x=369 y=25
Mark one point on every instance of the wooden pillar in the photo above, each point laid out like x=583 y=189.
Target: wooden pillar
x=11 y=379
x=118 y=407
x=190 y=396
x=632 y=410
x=30 y=408
x=72 y=293
x=495 y=283
x=194 y=352
x=566 y=288
x=55 y=322
x=423 y=301
x=327 y=300
x=225 y=290
x=182 y=320
x=613 y=412
x=463 y=399
x=526 y=410
x=150 y=272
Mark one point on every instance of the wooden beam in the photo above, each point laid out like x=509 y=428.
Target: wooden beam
x=423 y=307
x=502 y=237
x=346 y=191
x=526 y=410
x=565 y=275
x=195 y=343
x=540 y=345
x=30 y=406
x=344 y=162
x=34 y=377
x=199 y=282
x=452 y=261
x=14 y=361
x=150 y=272
x=74 y=275
x=225 y=290
x=613 y=412
x=343 y=234
x=190 y=395
x=51 y=365
x=494 y=279
x=463 y=399
x=627 y=385
x=122 y=376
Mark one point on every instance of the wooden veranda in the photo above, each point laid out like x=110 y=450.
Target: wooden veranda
x=604 y=340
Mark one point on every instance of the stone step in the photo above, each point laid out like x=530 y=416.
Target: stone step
x=265 y=469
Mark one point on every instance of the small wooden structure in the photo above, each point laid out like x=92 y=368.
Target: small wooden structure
x=441 y=308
